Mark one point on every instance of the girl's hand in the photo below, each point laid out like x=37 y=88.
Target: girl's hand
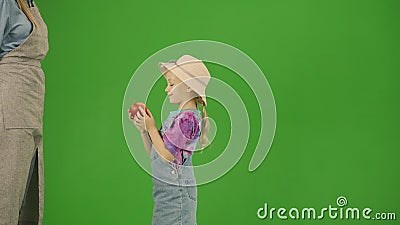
x=138 y=120
x=148 y=119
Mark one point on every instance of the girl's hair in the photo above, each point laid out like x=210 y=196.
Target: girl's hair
x=205 y=126
x=24 y=7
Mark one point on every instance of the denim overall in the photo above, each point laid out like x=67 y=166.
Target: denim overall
x=174 y=191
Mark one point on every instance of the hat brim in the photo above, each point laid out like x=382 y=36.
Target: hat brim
x=197 y=83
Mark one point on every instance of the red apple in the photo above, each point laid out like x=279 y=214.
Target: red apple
x=135 y=108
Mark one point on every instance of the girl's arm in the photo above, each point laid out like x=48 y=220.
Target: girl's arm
x=138 y=120
x=155 y=137
x=146 y=142
x=159 y=145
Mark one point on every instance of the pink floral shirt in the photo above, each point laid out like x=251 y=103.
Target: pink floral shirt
x=180 y=133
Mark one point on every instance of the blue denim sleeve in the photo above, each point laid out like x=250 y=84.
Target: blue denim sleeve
x=4 y=18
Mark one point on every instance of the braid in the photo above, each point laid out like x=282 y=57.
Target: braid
x=205 y=126
x=24 y=7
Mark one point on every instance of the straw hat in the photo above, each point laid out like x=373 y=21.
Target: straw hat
x=191 y=71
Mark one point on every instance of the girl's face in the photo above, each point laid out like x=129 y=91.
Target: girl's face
x=178 y=92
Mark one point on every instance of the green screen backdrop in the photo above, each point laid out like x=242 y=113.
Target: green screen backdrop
x=333 y=67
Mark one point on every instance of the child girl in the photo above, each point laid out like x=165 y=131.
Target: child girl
x=171 y=148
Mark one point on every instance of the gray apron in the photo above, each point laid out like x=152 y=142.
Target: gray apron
x=22 y=89
x=174 y=191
